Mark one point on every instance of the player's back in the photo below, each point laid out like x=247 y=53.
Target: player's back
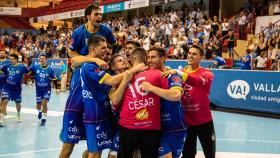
x=94 y=92
x=75 y=99
x=140 y=109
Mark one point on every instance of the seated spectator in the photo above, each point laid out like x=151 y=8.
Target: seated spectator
x=219 y=62
x=246 y=61
x=262 y=60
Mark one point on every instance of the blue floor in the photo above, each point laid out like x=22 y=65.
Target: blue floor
x=235 y=133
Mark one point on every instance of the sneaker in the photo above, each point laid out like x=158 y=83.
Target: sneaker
x=18 y=119
x=1 y=125
x=40 y=115
x=43 y=122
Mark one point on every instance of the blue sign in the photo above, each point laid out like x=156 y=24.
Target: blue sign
x=54 y=63
x=178 y=64
x=238 y=89
x=114 y=7
x=248 y=90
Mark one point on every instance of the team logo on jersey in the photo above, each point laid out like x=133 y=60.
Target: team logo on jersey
x=17 y=71
x=176 y=79
x=142 y=114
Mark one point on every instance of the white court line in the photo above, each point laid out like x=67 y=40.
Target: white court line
x=37 y=151
x=248 y=140
x=199 y=154
x=34 y=111
x=239 y=155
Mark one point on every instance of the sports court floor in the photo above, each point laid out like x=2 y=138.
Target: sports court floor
x=238 y=136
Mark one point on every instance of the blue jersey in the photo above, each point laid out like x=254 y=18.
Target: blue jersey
x=95 y=93
x=81 y=34
x=75 y=99
x=3 y=76
x=15 y=74
x=246 y=65
x=172 y=116
x=43 y=76
x=220 y=60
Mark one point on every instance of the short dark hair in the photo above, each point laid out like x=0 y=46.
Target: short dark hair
x=90 y=8
x=43 y=55
x=94 y=40
x=111 y=63
x=135 y=43
x=161 y=51
x=14 y=56
x=200 y=49
x=139 y=54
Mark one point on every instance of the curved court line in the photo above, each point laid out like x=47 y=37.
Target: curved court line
x=37 y=151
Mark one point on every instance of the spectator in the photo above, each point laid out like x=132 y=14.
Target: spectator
x=246 y=61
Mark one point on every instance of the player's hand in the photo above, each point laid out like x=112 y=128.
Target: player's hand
x=102 y=64
x=127 y=76
x=141 y=67
x=57 y=91
x=146 y=86
x=167 y=73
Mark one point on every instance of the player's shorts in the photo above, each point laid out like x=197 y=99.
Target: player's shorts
x=73 y=128
x=172 y=142
x=42 y=93
x=1 y=89
x=11 y=93
x=116 y=142
x=99 y=136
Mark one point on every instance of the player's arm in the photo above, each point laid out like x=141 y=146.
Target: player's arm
x=173 y=94
x=191 y=79
x=116 y=93
x=171 y=91
x=115 y=80
x=79 y=60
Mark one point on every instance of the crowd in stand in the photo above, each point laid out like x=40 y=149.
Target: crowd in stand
x=175 y=30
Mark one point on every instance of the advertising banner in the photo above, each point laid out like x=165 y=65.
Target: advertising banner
x=155 y=2
x=114 y=7
x=132 y=4
x=248 y=90
x=10 y=11
x=54 y=63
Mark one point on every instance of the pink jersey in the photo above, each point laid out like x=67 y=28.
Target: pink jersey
x=195 y=99
x=140 y=110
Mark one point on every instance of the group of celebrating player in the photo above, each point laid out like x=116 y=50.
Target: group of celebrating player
x=11 y=76
x=137 y=107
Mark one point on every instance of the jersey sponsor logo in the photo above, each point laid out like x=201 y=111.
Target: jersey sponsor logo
x=142 y=114
x=103 y=135
x=106 y=142
x=87 y=94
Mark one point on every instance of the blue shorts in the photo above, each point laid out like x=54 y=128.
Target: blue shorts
x=73 y=128
x=10 y=93
x=172 y=142
x=42 y=93
x=99 y=136
x=1 y=89
x=116 y=142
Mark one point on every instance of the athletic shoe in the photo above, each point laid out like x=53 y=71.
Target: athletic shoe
x=18 y=118
x=1 y=125
x=43 y=122
x=40 y=115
